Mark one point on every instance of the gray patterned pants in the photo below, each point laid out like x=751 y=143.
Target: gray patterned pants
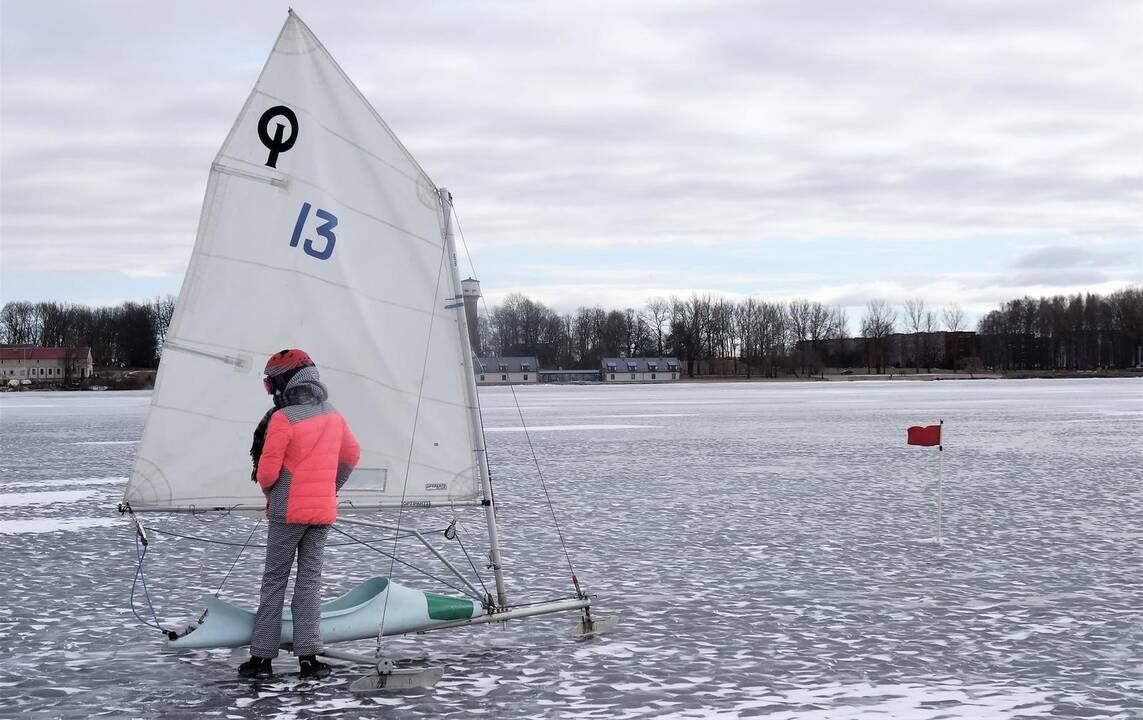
x=283 y=542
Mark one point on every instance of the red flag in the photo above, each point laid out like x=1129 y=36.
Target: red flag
x=925 y=435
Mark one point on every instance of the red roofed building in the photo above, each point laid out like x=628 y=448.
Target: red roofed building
x=44 y=364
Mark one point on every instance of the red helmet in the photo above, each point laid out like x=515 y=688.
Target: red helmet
x=282 y=363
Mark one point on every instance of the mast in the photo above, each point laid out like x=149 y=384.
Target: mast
x=473 y=403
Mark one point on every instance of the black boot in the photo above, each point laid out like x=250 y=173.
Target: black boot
x=257 y=668
x=312 y=668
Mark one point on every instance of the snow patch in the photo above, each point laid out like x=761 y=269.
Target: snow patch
x=47 y=525
x=43 y=498
x=630 y=417
x=570 y=428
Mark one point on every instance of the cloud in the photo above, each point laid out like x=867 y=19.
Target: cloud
x=1065 y=257
x=1059 y=278
x=823 y=150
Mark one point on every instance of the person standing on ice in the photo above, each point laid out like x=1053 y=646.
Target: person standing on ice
x=303 y=453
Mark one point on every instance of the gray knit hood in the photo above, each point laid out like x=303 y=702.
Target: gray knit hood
x=306 y=388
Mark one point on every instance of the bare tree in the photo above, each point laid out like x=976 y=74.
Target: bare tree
x=53 y=323
x=585 y=337
x=506 y=323
x=164 y=310
x=928 y=337
x=689 y=322
x=839 y=323
x=19 y=322
x=821 y=329
x=811 y=324
x=838 y=333
x=614 y=336
x=877 y=325
x=747 y=316
x=954 y=318
x=634 y=333
x=486 y=335
x=773 y=337
x=721 y=335
x=955 y=323
x=798 y=319
x=915 y=316
x=657 y=316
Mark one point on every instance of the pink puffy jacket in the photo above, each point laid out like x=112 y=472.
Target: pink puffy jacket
x=308 y=455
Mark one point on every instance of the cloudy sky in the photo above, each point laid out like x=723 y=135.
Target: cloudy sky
x=607 y=152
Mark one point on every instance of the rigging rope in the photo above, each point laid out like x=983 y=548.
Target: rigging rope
x=142 y=548
x=239 y=555
x=413 y=436
x=471 y=564
x=426 y=573
x=212 y=541
x=141 y=553
x=527 y=434
x=141 y=544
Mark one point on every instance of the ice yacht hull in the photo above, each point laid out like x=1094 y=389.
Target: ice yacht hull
x=355 y=615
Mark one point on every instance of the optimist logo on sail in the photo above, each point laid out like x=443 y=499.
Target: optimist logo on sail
x=277 y=144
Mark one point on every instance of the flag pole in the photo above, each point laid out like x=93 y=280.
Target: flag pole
x=940 y=483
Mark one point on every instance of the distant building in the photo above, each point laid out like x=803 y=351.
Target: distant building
x=569 y=376
x=44 y=364
x=639 y=369
x=506 y=370
x=470 y=291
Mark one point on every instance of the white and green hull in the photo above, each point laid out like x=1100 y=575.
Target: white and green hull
x=354 y=616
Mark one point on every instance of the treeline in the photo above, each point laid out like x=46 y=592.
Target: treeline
x=120 y=336
x=709 y=333
x=1079 y=332
x=716 y=335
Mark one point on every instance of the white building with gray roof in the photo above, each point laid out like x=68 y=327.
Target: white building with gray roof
x=506 y=370
x=634 y=370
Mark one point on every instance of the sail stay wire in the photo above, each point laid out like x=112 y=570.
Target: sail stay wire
x=547 y=495
x=471 y=564
x=141 y=553
x=412 y=438
x=214 y=541
x=527 y=434
x=393 y=558
x=241 y=550
x=369 y=543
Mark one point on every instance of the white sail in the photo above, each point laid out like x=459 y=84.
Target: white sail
x=318 y=231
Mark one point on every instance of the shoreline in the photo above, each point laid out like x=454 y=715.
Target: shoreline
x=924 y=377
x=703 y=379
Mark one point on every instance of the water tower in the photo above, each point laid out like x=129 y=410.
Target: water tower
x=470 y=289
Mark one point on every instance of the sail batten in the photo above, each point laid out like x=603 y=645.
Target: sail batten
x=246 y=355
x=358 y=293
x=319 y=230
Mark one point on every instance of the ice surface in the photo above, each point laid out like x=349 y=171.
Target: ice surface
x=565 y=428
x=43 y=498
x=768 y=548
x=625 y=417
x=49 y=524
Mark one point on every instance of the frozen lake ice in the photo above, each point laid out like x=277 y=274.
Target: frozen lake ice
x=768 y=546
